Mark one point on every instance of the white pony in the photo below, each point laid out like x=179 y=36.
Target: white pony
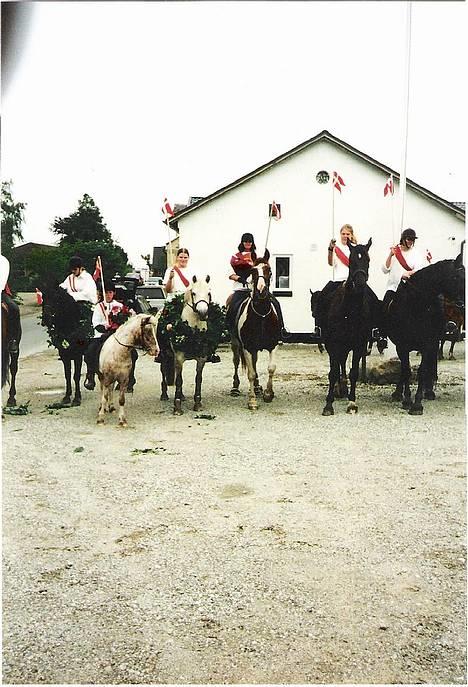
x=115 y=360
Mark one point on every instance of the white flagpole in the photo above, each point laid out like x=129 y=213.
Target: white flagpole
x=169 y=243
x=406 y=117
x=393 y=209
x=333 y=221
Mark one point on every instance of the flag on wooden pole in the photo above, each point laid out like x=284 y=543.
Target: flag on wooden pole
x=389 y=188
x=275 y=211
x=338 y=181
x=167 y=210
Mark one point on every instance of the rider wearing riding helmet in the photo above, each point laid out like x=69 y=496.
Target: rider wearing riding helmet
x=241 y=263
x=402 y=261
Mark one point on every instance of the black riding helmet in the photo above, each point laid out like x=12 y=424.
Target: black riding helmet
x=408 y=234
x=247 y=237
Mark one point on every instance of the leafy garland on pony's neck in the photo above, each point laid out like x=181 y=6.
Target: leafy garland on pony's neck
x=193 y=343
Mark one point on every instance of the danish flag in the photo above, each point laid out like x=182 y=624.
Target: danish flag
x=275 y=211
x=167 y=210
x=338 y=181
x=389 y=186
x=97 y=270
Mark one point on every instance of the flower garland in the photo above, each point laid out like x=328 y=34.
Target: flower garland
x=194 y=343
x=59 y=335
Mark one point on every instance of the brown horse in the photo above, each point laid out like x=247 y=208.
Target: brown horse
x=455 y=319
x=256 y=328
x=9 y=358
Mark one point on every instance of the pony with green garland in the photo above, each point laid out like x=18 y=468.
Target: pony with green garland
x=191 y=327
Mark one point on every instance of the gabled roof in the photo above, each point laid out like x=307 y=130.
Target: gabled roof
x=322 y=136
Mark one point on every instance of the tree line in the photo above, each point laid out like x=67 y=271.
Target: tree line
x=82 y=233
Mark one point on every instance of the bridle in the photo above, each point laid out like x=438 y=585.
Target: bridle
x=142 y=332
x=194 y=304
x=261 y=296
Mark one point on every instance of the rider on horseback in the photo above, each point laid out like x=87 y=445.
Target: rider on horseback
x=108 y=315
x=14 y=328
x=241 y=263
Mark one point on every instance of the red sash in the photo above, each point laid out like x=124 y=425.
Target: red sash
x=341 y=256
x=183 y=279
x=71 y=281
x=399 y=256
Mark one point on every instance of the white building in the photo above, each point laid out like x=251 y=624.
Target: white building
x=211 y=228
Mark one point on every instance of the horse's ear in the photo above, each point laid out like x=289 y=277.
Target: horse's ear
x=369 y=243
x=194 y=279
x=207 y=278
x=266 y=257
x=459 y=260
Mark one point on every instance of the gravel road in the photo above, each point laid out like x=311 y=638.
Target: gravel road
x=275 y=546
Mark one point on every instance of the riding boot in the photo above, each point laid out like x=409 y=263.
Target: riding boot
x=89 y=382
x=285 y=334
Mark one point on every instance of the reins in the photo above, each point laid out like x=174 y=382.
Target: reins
x=138 y=348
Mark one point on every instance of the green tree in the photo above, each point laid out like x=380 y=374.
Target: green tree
x=12 y=219
x=85 y=224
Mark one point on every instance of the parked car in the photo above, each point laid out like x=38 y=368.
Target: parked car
x=154 y=294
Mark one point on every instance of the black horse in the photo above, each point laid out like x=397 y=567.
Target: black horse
x=9 y=357
x=69 y=326
x=350 y=314
x=415 y=321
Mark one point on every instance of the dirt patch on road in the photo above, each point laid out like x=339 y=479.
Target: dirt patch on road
x=275 y=546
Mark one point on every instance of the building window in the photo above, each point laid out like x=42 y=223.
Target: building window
x=282 y=272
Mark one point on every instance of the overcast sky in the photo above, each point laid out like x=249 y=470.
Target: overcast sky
x=132 y=101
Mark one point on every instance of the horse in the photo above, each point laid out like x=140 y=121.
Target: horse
x=69 y=326
x=455 y=318
x=256 y=328
x=186 y=341
x=9 y=358
x=351 y=314
x=115 y=360
x=414 y=321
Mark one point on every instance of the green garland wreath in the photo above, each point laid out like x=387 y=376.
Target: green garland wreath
x=194 y=343
x=77 y=337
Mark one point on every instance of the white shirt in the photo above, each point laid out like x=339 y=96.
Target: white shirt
x=81 y=288
x=413 y=258
x=4 y=270
x=340 y=271
x=178 y=285
x=99 y=314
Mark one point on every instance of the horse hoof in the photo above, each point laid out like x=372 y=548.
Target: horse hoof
x=197 y=406
x=258 y=390
x=100 y=421
x=415 y=410
x=429 y=395
x=406 y=404
x=123 y=423
x=11 y=403
x=66 y=401
x=352 y=408
x=268 y=397
x=253 y=406
x=111 y=409
x=76 y=402
x=328 y=411
x=235 y=392
x=178 y=411
x=164 y=397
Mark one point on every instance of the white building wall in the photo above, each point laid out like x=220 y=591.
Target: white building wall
x=212 y=232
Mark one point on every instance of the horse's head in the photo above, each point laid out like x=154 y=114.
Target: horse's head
x=261 y=276
x=148 y=328
x=198 y=296
x=358 y=264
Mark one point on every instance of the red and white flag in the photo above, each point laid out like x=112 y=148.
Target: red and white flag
x=97 y=269
x=338 y=181
x=428 y=255
x=275 y=211
x=388 y=188
x=166 y=210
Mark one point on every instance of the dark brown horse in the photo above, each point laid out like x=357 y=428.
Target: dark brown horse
x=256 y=329
x=9 y=358
x=414 y=321
x=454 y=328
x=350 y=315
x=68 y=323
